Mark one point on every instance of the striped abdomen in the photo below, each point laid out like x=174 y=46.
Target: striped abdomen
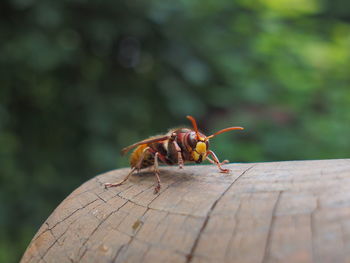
x=148 y=159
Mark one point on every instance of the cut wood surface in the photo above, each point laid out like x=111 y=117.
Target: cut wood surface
x=297 y=211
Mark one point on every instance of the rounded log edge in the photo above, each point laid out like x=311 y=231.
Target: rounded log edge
x=295 y=211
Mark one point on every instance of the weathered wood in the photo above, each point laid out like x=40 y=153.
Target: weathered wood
x=264 y=212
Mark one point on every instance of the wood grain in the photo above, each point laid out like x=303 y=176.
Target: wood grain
x=296 y=211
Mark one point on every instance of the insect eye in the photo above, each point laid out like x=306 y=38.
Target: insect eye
x=192 y=139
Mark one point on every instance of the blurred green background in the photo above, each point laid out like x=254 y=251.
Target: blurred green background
x=81 y=79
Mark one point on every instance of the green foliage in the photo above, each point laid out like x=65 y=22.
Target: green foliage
x=81 y=79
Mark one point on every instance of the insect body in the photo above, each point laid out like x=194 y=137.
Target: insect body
x=176 y=147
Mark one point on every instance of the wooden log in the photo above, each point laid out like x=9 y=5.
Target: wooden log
x=296 y=211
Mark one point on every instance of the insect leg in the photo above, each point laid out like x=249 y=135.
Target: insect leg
x=217 y=162
x=139 y=162
x=156 y=173
x=223 y=162
x=180 y=161
x=137 y=167
x=179 y=155
x=122 y=181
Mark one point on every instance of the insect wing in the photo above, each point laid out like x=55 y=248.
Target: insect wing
x=147 y=141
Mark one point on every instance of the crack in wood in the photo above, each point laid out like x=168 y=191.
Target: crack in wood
x=98 y=226
x=126 y=246
x=159 y=210
x=313 y=228
x=118 y=252
x=234 y=230
x=272 y=223
x=57 y=238
x=189 y=257
x=62 y=220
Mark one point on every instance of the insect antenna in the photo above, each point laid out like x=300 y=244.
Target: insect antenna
x=224 y=130
x=194 y=124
